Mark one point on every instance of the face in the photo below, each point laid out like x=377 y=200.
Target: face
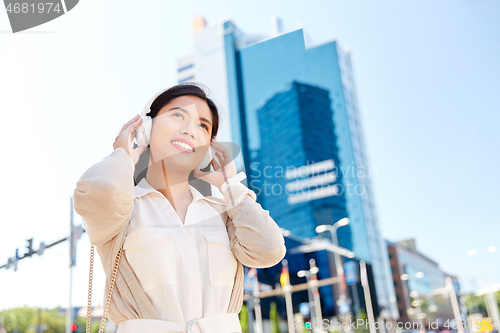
x=181 y=132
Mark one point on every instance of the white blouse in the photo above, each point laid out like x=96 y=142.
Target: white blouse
x=187 y=270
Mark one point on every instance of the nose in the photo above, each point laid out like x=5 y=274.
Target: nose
x=189 y=130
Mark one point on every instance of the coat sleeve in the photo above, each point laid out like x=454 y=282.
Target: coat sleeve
x=104 y=196
x=258 y=241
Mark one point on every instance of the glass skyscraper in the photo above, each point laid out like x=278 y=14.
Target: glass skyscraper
x=289 y=106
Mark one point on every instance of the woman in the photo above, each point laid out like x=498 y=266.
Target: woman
x=183 y=252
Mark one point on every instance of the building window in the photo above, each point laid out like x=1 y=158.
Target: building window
x=184 y=68
x=186 y=79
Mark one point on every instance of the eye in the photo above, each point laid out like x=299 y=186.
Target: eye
x=177 y=113
x=206 y=127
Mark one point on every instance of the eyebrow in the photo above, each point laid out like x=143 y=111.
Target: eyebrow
x=187 y=112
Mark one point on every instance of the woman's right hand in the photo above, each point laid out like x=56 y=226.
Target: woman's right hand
x=126 y=136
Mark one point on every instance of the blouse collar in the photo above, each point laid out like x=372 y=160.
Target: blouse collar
x=143 y=188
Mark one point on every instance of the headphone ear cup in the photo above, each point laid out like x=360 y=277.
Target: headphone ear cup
x=143 y=131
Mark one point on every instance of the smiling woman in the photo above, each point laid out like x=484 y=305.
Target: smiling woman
x=183 y=105
x=183 y=252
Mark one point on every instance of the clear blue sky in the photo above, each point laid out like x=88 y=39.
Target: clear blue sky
x=427 y=74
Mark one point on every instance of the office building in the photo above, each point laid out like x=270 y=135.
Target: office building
x=417 y=278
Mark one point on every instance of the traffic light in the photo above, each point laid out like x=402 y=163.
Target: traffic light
x=29 y=247
x=74 y=326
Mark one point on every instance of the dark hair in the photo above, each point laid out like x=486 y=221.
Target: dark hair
x=181 y=89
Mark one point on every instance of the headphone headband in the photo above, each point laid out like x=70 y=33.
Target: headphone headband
x=147 y=108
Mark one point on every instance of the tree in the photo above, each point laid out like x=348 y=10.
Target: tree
x=361 y=315
x=274 y=318
x=94 y=327
x=82 y=325
x=20 y=319
x=55 y=320
x=475 y=304
x=244 y=319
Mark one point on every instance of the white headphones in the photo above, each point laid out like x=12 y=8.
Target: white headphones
x=143 y=132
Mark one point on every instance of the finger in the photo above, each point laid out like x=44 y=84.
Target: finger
x=215 y=164
x=134 y=125
x=219 y=156
x=141 y=149
x=130 y=129
x=218 y=159
x=217 y=146
x=129 y=122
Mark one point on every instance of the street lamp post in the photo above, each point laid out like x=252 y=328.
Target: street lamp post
x=454 y=303
x=314 y=307
x=338 y=261
x=415 y=294
x=317 y=303
x=418 y=307
x=490 y=302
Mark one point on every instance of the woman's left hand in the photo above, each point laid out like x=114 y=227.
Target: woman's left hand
x=226 y=166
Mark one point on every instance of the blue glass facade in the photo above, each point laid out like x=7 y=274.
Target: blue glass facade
x=296 y=130
x=266 y=68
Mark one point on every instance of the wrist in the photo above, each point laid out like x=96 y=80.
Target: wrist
x=122 y=151
x=236 y=179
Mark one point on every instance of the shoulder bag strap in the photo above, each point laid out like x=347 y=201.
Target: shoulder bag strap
x=110 y=292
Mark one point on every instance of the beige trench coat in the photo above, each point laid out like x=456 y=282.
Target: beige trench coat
x=104 y=198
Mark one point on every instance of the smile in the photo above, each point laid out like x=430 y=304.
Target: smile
x=182 y=146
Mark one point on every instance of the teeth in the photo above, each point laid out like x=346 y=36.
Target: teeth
x=182 y=144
